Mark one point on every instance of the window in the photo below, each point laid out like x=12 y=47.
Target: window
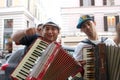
x=110 y=22
x=108 y=2
x=36 y=12
x=87 y=2
x=8 y=30
x=28 y=5
x=81 y=2
x=27 y=24
x=8 y=23
x=8 y=3
x=111 y=2
x=104 y=2
x=92 y=2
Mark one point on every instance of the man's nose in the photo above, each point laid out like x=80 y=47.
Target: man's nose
x=87 y=26
x=50 y=31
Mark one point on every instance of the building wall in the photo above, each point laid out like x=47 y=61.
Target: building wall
x=16 y=2
x=23 y=16
x=71 y=14
x=1 y=3
x=29 y=5
x=69 y=3
x=117 y=2
x=20 y=18
x=98 y=2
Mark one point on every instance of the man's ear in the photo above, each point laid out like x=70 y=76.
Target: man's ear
x=95 y=23
x=81 y=30
x=41 y=29
x=58 y=32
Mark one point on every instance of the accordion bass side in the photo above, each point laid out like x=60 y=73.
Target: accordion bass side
x=56 y=64
x=29 y=60
x=113 y=62
x=102 y=62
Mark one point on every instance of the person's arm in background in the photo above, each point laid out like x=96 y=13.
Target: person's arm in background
x=17 y=36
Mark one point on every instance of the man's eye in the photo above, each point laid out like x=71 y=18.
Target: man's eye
x=89 y=24
x=83 y=26
x=47 y=28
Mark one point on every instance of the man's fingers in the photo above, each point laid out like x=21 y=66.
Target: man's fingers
x=30 y=31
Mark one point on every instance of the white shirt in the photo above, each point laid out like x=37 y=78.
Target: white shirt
x=78 y=55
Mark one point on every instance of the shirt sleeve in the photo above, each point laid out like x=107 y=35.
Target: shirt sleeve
x=78 y=52
x=28 y=40
x=109 y=42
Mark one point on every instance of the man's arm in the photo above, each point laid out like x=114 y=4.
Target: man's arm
x=17 y=36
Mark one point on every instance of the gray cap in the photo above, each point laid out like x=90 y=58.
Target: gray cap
x=51 y=24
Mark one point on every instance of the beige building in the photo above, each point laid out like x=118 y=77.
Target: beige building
x=21 y=14
x=106 y=13
x=15 y=15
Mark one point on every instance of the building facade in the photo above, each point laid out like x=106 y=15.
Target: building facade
x=16 y=15
x=106 y=13
x=21 y=14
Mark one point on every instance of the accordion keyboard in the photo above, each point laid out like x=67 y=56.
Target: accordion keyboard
x=29 y=60
x=88 y=55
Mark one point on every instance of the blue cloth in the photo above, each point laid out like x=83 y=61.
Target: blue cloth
x=82 y=20
x=28 y=40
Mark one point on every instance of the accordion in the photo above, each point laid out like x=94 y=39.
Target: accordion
x=102 y=62
x=56 y=64
x=53 y=63
x=29 y=60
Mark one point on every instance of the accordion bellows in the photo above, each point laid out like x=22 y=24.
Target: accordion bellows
x=55 y=62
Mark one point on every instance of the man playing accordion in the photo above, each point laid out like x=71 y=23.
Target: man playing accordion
x=50 y=31
x=87 y=25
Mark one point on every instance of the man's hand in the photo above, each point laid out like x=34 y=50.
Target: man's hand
x=30 y=31
x=83 y=62
x=17 y=36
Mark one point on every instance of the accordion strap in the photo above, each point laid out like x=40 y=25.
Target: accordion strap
x=91 y=43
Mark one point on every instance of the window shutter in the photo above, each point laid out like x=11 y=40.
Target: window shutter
x=105 y=24
x=93 y=18
x=9 y=3
x=117 y=19
x=92 y=2
x=104 y=2
x=81 y=2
